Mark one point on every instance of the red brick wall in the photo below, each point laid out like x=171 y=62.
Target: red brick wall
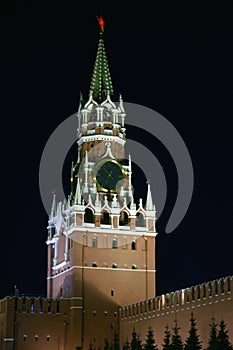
x=162 y=311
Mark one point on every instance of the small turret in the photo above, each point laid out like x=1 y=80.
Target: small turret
x=78 y=197
x=149 y=202
x=53 y=209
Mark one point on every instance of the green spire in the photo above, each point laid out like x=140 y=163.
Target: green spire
x=101 y=84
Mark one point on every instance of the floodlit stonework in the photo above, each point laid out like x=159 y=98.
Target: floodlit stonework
x=101 y=277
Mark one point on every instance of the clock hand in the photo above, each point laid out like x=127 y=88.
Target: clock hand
x=106 y=171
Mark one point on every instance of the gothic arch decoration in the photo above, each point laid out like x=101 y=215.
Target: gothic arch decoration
x=124 y=217
x=141 y=216
x=105 y=216
x=89 y=214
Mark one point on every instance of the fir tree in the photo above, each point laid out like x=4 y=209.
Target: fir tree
x=176 y=343
x=126 y=345
x=223 y=338
x=116 y=342
x=166 y=342
x=192 y=342
x=213 y=341
x=150 y=342
x=139 y=343
x=106 y=344
x=135 y=341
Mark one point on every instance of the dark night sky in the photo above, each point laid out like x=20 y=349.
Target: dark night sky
x=174 y=58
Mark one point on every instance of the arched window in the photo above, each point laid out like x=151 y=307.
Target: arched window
x=89 y=216
x=140 y=220
x=114 y=243
x=134 y=245
x=94 y=242
x=94 y=264
x=134 y=267
x=105 y=218
x=124 y=218
x=114 y=266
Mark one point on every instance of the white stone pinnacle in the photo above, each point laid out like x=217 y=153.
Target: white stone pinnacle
x=149 y=203
x=53 y=209
x=78 y=197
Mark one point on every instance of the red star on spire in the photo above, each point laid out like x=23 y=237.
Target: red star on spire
x=101 y=23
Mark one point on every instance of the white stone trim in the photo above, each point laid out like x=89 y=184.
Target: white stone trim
x=62 y=264
x=100 y=137
x=102 y=268
x=111 y=231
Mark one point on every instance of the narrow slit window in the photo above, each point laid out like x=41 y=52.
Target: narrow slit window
x=134 y=245
x=114 y=243
x=94 y=242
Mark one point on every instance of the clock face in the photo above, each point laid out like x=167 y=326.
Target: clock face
x=108 y=175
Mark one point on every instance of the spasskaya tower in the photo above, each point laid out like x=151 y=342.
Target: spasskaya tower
x=101 y=244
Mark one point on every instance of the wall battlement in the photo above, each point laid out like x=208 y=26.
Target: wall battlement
x=193 y=297
x=205 y=301
x=34 y=305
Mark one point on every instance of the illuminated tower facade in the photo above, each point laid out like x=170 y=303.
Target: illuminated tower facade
x=101 y=244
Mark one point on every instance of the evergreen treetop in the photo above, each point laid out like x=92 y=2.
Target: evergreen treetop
x=213 y=341
x=126 y=345
x=192 y=342
x=223 y=338
x=150 y=341
x=135 y=341
x=167 y=338
x=176 y=343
